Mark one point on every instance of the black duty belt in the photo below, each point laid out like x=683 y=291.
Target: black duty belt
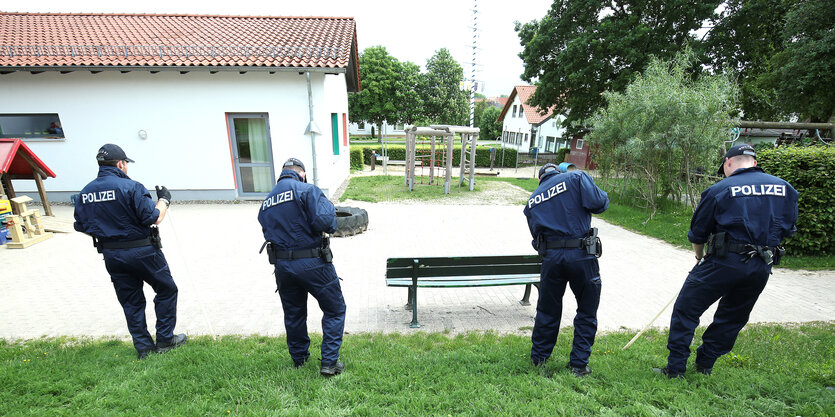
x=298 y=253
x=127 y=244
x=564 y=244
x=743 y=248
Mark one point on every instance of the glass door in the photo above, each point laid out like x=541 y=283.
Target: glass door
x=252 y=152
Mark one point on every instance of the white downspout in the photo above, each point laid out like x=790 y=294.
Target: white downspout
x=312 y=129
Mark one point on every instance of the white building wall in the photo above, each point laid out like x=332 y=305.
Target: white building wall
x=389 y=130
x=514 y=124
x=188 y=146
x=553 y=128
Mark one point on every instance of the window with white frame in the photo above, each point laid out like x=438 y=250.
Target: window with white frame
x=361 y=125
x=27 y=126
x=579 y=144
x=514 y=110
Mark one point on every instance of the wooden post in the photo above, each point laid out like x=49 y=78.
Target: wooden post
x=6 y=179
x=42 y=192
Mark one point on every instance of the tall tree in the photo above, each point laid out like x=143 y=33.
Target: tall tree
x=376 y=102
x=744 y=36
x=444 y=100
x=582 y=48
x=486 y=117
x=803 y=73
x=410 y=103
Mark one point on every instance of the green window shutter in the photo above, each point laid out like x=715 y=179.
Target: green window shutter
x=335 y=130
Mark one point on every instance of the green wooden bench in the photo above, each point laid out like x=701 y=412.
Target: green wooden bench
x=474 y=271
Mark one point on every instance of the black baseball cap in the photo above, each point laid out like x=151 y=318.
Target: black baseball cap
x=294 y=162
x=111 y=152
x=744 y=149
x=549 y=167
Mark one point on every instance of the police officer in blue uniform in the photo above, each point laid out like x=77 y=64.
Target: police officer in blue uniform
x=120 y=215
x=559 y=217
x=736 y=233
x=294 y=217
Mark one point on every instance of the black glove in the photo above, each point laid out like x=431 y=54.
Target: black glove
x=164 y=194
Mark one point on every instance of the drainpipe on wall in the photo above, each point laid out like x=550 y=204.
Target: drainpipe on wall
x=312 y=129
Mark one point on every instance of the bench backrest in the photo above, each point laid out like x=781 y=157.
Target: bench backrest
x=463 y=266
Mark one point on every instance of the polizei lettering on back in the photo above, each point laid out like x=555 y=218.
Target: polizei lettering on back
x=547 y=194
x=98 y=197
x=758 y=190
x=277 y=199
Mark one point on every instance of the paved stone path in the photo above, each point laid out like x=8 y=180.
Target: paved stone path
x=60 y=286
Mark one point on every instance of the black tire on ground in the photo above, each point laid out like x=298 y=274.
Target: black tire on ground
x=350 y=221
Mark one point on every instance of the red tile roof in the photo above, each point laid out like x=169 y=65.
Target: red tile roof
x=19 y=161
x=148 y=40
x=532 y=113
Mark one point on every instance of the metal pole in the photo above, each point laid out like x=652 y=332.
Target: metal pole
x=312 y=129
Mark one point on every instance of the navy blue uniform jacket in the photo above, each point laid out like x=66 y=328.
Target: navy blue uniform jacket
x=561 y=207
x=294 y=214
x=115 y=207
x=750 y=206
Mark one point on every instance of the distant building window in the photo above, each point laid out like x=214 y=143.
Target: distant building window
x=518 y=138
x=361 y=125
x=579 y=144
x=549 y=143
x=43 y=125
x=526 y=138
x=521 y=112
x=514 y=110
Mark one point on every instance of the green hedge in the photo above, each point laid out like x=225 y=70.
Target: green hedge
x=561 y=153
x=356 y=159
x=398 y=153
x=810 y=171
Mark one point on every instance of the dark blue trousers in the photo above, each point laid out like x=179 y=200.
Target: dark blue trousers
x=129 y=269
x=583 y=276
x=736 y=285
x=296 y=279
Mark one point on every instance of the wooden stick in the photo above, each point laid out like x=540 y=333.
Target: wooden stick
x=651 y=321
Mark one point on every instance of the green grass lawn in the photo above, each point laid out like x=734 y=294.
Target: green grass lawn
x=382 y=188
x=773 y=371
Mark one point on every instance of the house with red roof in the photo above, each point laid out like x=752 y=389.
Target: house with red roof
x=525 y=126
x=209 y=106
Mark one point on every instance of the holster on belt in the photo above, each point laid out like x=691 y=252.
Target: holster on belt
x=270 y=252
x=327 y=253
x=592 y=243
x=156 y=240
x=717 y=245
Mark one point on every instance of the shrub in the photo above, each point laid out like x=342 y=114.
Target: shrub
x=561 y=154
x=356 y=159
x=809 y=170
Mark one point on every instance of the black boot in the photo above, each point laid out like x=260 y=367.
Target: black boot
x=668 y=373
x=703 y=370
x=176 y=341
x=579 y=372
x=331 y=370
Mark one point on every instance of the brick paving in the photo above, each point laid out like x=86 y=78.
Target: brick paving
x=60 y=286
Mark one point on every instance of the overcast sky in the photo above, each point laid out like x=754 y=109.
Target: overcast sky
x=410 y=30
